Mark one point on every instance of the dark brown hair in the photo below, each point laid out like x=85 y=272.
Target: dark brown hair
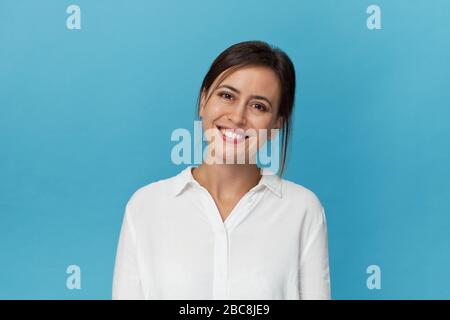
x=258 y=53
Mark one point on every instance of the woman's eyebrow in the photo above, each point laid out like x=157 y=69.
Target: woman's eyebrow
x=252 y=96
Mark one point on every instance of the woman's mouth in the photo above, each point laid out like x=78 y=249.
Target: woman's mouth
x=232 y=135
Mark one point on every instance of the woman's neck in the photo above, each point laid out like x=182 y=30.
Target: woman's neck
x=226 y=182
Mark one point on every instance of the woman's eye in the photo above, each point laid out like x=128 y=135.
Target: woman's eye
x=260 y=107
x=225 y=95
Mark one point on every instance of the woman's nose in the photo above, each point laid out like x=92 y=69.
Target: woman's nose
x=238 y=116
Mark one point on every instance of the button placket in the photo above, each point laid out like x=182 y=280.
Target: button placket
x=220 y=264
x=221 y=232
x=221 y=249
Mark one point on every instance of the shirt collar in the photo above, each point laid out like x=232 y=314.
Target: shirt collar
x=268 y=179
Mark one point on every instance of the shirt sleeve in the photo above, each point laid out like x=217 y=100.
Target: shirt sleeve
x=126 y=280
x=314 y=268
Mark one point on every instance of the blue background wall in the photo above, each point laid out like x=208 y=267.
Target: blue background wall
x=86 y=117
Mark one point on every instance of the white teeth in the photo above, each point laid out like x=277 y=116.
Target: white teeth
x=232 y=135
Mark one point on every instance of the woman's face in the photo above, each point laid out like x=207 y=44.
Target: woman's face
x=243 y=104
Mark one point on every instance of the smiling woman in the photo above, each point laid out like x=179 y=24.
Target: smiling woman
x=247 y=100
x=229 y=230
x=258 y=83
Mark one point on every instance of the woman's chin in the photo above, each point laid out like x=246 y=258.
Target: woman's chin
x=234 y=158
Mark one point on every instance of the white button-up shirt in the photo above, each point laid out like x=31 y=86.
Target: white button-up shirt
x=174 y=245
